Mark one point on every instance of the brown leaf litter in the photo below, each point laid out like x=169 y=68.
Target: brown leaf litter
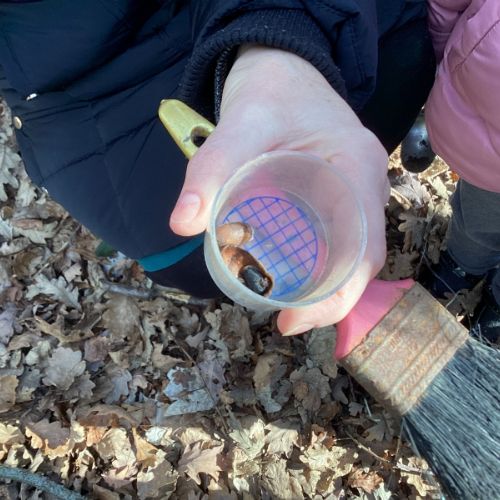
x=120 y=389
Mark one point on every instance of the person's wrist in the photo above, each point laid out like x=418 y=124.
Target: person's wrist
x=276 y=65
x=278 y=79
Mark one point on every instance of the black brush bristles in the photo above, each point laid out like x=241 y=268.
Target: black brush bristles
x=456 y=425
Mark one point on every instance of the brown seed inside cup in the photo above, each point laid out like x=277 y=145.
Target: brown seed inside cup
x=247 y=269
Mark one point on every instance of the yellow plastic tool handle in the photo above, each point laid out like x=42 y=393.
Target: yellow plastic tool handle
x=185 y=125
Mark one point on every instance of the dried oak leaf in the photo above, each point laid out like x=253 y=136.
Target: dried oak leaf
x=411 y=188
x=8 y=385
x=72 y=272
x=121 y=479
x=14 y=247
x=197 y=388
x=145 y=453
x=232 y=323
x=414 y=228
x=320 y=347
x=27 y=339
x=9 y=162
x=35 y=230
x=162 y=361
x=277 y=481
x=6 y=356
x=95 y=434
x=417 y=478
x=196 y=459
x=310 y=386
x=82 y=388
x=309 y=480
x=190 y=435
x=58 y=289
x=399 y=265
x=10 y=434
x=96 y=349
x=115 y=446
x=38 y=354
x=337 y=458
x=439 y=187
x=54 y=440
x=270 y=386
x=24 y=264
x=157 y=482
x=366 y=480
x=242 y=467
x=26 y=193
x=28 y=384
x=250 y=435
x=64 y=366
x=101 y=415
x=120 y=379
x=381 y=430
x=187 y=321
x=281 y=438
x=57 y=330
x=122 y=319
x=158 y=435
x=7 y=318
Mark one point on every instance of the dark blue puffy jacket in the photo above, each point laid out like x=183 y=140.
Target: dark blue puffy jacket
x=86 y=77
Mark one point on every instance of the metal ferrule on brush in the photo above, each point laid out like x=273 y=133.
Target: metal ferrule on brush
x=409 y=347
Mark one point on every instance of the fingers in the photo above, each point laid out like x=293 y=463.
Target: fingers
x=335 y=308
x=205 y=173
x=330 y=311
x=235 y=141
x=376 y=301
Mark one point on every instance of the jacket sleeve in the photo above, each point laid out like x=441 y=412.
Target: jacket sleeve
x=443 y=15
x=339 y=37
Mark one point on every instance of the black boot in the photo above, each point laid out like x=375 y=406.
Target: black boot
x=416 y=150
x=486 y=319
x=447 y=277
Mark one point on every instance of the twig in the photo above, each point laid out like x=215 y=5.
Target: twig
x=155 y=291
x=370 y=452
x=402 y=467
x=127 y=290
x=395 y=460
x=39 y=482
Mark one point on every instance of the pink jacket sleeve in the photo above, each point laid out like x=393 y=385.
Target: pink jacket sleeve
x=443 y=14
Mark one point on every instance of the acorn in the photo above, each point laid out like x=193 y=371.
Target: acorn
x=247 y=269
x=256 y=280
x=233 y=233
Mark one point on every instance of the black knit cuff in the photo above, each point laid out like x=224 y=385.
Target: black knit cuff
x=290 y=30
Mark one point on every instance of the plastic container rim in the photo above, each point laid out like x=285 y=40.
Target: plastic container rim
x=273 y=303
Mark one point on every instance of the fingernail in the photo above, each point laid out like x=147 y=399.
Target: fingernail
x=187 y=208
x=304 y=327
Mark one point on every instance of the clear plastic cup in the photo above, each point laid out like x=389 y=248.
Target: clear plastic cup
x=309 y=229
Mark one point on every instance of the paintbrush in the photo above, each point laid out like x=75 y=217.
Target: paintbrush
x=418 y=361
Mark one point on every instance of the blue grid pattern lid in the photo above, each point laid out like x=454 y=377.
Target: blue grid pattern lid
x=284 y=241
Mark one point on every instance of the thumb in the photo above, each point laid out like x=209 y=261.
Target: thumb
x=231 y=144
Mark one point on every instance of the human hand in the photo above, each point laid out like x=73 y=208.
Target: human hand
x=274 y=100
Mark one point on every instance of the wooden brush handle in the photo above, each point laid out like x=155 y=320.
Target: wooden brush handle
x=404 y=339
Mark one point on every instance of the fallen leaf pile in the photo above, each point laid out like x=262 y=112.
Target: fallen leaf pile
x=118 y=388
